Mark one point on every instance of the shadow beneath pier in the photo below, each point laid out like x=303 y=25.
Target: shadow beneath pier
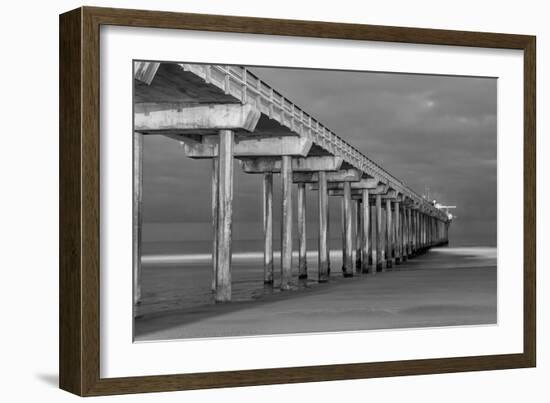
x=155 y=322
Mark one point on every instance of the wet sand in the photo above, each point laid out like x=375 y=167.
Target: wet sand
x=445 y=287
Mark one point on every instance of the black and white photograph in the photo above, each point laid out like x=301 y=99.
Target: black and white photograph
x=273 y=200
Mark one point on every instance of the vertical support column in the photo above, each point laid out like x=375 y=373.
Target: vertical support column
x=404 y=234
x=365 y=242
x=419 y=233
x=413 y=232
x=225 y=215
x=398 y=244
x=343 y=228
x=328 y=232
x=409 y=232
x=286 y=223
x=323 y=228
x=268 y=227
x=137 y=206
x=379 y=257
x=372 y=244
x=425 y=219
x=422 y=226
x=215 y=185
x=348 y=232
x=389 y=235
x=421 y=221
x=429 y=228
x=358 y=237
x=302 y=236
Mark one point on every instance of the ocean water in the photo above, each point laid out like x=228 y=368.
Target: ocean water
x=178 y=276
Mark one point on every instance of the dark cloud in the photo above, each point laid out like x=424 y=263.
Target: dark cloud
x=433 y=132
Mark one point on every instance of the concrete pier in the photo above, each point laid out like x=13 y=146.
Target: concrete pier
x=365 y=231
x=347 y=267
x=302 y=235
x=390 y=241
x=379 y=234
x=229 y=113
x=286 y=222
x=323 y=256
x=225 y=215
x=137 y=205
x=215 y=195
x=268 y=227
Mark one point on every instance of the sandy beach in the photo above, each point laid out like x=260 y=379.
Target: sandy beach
x=445 y=287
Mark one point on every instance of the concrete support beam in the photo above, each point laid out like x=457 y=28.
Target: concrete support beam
x=225 y=213
x=344 y=175
x=207 y=147
x=302 y=235
x=389 y=235
x=308 y=164
x=268 y=227
x=137 y=207
x=170 y=118
x=355 y=194
x=324 y=257
x=286 y=223
x=372 y=184
x=145 y=71
x=347 y=268
x=365 y=236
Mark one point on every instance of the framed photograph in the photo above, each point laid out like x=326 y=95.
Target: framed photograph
x=248 y=201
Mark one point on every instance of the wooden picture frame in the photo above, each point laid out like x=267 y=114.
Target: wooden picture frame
x=79 y=201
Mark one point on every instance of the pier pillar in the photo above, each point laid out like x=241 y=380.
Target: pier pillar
x=358 y=237
x=328 y=236
x=286 y=223
x=379 y=256
x=215 y=184
x=347 y=268
x=415 y=232
x=323 y=257
x=365 y=241
x=409 y=232
x=389 y=235
x=268 y=227
x=225 y=213
x=418 y=232
x=302 y=235
x=373 y=238
x=398 y=243
x=404 y=234
x=138 y=215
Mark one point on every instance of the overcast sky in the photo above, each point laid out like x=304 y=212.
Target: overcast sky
x=432 y=132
